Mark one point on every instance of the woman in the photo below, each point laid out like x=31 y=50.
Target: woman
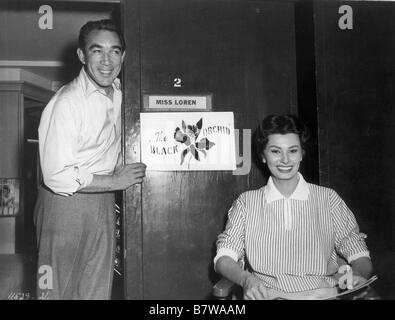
x=290 y=232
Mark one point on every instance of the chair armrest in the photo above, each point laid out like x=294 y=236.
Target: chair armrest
x=223 y=288
x=368 y=294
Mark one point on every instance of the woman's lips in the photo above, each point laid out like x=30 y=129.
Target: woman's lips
x=284 y=169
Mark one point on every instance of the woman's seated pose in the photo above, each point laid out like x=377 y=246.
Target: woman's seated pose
x=290 y=232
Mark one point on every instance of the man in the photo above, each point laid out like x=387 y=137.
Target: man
x=80 y=143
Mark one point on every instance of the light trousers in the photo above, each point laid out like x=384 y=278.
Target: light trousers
x=76 y=243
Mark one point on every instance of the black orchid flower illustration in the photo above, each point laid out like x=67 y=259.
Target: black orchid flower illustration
x=189 y=135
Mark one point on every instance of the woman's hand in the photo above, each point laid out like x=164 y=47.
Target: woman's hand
x=254 y=289
x=358 y=280
x=349 y=279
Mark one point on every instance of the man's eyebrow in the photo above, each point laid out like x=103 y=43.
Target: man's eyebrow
x=95 y=45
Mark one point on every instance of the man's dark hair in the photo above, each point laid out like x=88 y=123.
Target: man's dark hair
x=105 y=24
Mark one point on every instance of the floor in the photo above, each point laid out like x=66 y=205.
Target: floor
x=17 y=274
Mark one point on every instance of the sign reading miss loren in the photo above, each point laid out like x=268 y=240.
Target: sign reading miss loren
x=180 y=103
x=188 y=141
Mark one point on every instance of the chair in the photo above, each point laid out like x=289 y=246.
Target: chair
x=225 y=289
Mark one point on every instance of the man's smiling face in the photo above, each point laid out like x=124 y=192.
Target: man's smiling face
x=102 y=57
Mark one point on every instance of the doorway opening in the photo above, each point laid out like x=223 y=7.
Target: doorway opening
x=46 y=59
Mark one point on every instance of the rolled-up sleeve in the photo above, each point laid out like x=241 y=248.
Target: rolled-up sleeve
x=58 y=141
x=349 y=241
x=231 y=241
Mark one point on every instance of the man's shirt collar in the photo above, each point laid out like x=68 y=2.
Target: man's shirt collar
x=301 y=191
x=89 y=87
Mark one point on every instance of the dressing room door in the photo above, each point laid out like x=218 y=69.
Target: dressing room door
x=243 y=54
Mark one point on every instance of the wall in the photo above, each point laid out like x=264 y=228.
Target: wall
x=50 y=53
x=355 y=92
x=10 y=151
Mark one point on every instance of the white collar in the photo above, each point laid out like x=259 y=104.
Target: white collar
x=301 y=191
x=89 y=87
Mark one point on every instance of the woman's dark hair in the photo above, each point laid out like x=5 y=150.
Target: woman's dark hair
x=105 y=24
x=278 y=124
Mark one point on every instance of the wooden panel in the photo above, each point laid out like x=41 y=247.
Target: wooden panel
x=229 y=49
x=9 y=132
x=7 y=235
x=9 y=158
x=203 y=42
x=26 y=239
x=131 y=138
x=355 y=78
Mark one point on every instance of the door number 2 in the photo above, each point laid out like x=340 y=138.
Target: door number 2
x=177 y=83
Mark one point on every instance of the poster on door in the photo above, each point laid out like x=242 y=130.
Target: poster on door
x=182 y=141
